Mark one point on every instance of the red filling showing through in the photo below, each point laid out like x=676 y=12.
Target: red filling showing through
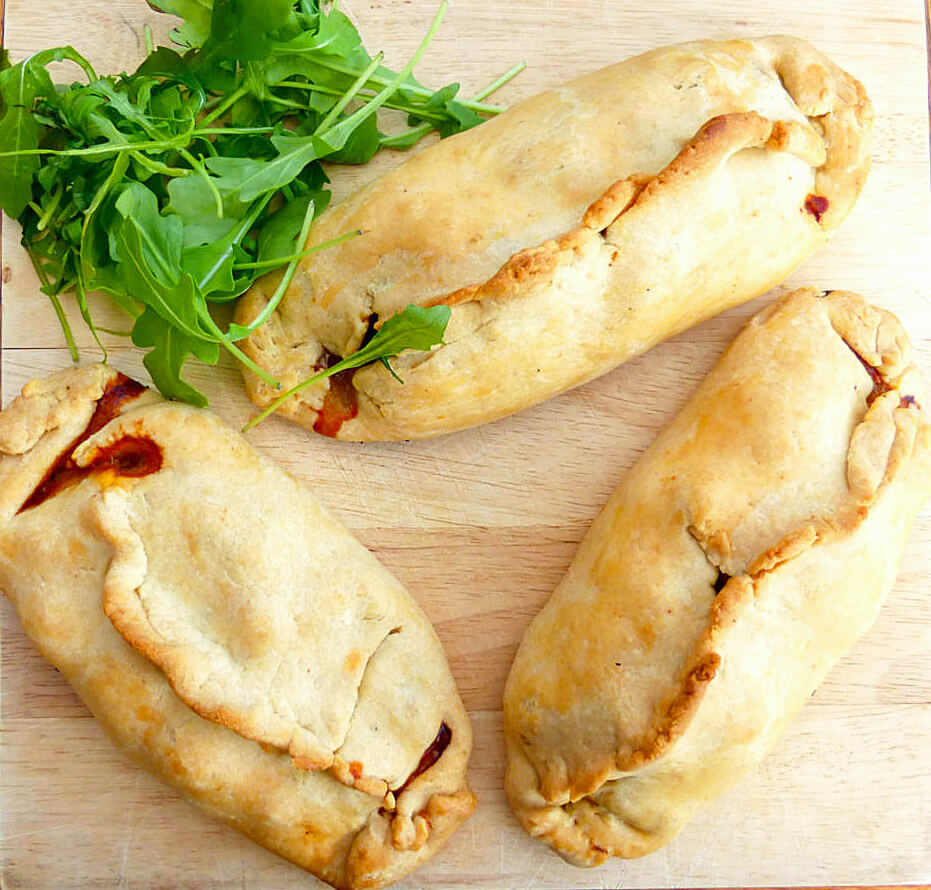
x=817 y=206
x=131 y=456
x=339 y=404
x=880 y=386
x=443 y=737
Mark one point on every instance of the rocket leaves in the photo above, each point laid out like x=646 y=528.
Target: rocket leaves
x=171 y=189
x=21 y=86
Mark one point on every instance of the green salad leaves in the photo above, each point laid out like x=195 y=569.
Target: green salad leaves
x=173 y=188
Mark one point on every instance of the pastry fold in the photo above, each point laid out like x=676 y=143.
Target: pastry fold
x=746 y=550
x=226 y=630
x=569 y=234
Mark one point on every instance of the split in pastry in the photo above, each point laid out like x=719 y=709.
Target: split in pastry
x=570 y=233
x=227 y=630
x=741 y=556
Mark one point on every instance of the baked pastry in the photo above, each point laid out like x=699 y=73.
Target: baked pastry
x=569 y=234
x=746 y=550
x=169 y=571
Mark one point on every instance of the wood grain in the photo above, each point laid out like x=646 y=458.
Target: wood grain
x=481 y=525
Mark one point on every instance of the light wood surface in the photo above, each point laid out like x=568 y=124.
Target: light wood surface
x=481 y=525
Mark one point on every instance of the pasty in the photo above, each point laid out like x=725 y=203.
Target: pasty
x=742 y=555
x=571 y=233
x=227 y=630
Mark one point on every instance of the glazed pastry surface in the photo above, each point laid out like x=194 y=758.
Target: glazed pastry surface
x=742 y=555
x=227 y=631
x=569 y=234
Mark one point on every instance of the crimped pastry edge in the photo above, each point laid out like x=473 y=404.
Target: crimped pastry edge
x=559 y=810
x=836 y=106
x=385 y=847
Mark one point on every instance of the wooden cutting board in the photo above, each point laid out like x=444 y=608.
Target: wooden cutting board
x=481 y=525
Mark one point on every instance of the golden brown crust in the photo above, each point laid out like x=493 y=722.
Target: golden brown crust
x=192 y=591
x=839 y=109
x=711 y=146
x=570 y=233
x=756 y=538
x=614 y=202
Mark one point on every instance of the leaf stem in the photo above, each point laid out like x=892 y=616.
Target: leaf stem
x=50 y=210
x=280 y=261
x=285 y=103
x=417 y=133
x=65 y=326
x=237 y=236
x=397 y=105
x=81 y=296
x=201 y=170
x=107 y=149
x=350 y=94
x=416 y=89
x=158 y=166
x=500 y=82
x=285 y=282
x=356 y=118
x=56 y=305
x=207 y=319
x=225 y=105
x=234 y=131
x=406 y=107
x=293 y=391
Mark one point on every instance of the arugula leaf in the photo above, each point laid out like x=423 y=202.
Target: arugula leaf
x=18 y=130
x=4 y=65
x=20 y=86
x=174 y=302
x=457 y=116
x=192 y=199
x=159 y=236
x=277 y=239
x=415 y=327
x=361 y=145
x=169 y=349
x=236 y=331
x=294 y=153
x=211 y=265
x=173 y=188
x=245 y=29
x=167 y=65
x=196 y=13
